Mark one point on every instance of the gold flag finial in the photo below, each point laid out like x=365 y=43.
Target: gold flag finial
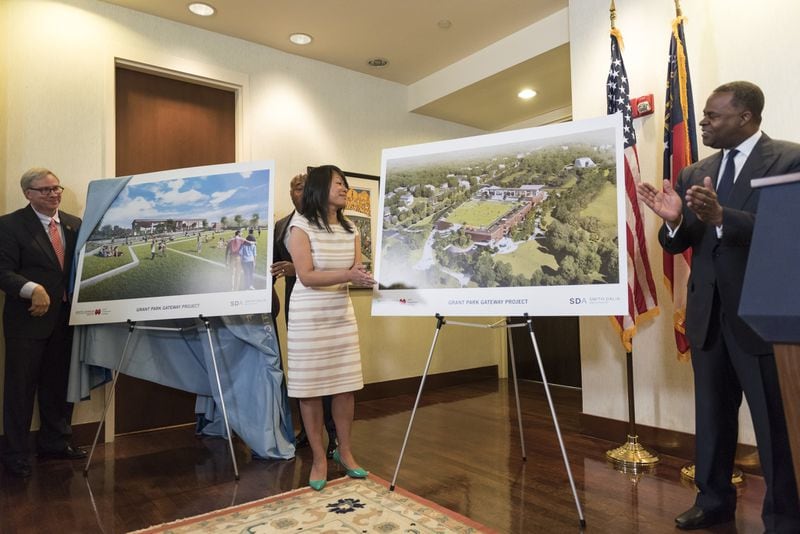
x=678 y=8
x=613 y=12
x=614 y=31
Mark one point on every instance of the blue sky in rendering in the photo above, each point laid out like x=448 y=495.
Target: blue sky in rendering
x=203 y=197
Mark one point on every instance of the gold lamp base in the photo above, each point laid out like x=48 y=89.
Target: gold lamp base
x=687 y=473
x=632 y=456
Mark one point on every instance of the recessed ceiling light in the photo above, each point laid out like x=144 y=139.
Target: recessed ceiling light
x=526 y=94
x=378 y=62
x=201 y=9
x=300 y=38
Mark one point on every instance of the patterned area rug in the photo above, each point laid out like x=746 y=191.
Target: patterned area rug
x=345 y=505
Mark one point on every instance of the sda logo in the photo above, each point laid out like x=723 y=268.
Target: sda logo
x=577 y=300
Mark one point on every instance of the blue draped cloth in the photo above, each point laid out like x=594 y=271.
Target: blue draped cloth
x=246 y=350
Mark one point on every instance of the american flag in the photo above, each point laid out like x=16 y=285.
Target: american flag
x=680 y=150
x=642 y=300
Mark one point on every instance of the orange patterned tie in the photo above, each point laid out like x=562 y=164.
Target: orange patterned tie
x=55 y=239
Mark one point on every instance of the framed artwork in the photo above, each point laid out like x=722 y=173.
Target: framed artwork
x=362 y=209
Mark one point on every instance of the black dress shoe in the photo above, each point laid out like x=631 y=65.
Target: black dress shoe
x=67 y=453
x=17 y=468
x=695 y=518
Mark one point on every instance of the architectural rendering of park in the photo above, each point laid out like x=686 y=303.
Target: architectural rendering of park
x=540 y=217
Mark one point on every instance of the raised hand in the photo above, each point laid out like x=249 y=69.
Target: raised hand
x=702 y=200
x=666 y=204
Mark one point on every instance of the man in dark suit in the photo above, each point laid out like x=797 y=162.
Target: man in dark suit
x=37 y=243
x=713 y=212
x=282 y=266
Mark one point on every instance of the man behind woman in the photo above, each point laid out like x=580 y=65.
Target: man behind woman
x=324 y=356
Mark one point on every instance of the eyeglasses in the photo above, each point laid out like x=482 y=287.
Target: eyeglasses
x=54 y=190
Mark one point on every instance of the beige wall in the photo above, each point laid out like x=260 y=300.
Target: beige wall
x=726 y=40
x=58 y=112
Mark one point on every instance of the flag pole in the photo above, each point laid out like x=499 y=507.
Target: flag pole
x=688 y=470
x=613 y=14
x=631 y=456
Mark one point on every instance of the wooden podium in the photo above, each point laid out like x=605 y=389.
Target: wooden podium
x=771 y=295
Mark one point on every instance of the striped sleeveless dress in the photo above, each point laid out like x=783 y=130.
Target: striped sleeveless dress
x=324 y=357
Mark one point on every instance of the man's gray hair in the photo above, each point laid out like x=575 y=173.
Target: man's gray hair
x=31 y=175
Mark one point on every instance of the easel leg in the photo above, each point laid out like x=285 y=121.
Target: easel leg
x=221 y=397
x=555 y=421
x=516 y=393
x=131 y=328
x=439 y=323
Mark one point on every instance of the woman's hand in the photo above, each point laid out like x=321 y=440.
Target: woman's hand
x=360 y=277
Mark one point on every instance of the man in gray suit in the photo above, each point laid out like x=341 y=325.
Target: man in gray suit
x=713 y=211
x=37 y=243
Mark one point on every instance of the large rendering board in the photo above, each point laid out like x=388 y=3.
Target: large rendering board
x=527 y=221
x=166 y=247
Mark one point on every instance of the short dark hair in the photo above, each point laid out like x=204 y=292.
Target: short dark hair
x=315 y=197
x=746 y=95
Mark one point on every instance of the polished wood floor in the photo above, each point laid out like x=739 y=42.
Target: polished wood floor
x=464 y=453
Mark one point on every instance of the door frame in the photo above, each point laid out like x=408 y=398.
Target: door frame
x=178 y=69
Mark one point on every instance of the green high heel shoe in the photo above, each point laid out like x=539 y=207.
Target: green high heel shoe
x=352 y=473
x=317 y=485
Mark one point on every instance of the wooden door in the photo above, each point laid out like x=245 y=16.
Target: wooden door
x=161 y=124
x=559 y=346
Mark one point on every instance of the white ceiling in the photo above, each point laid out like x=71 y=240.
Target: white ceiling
x=407 y=33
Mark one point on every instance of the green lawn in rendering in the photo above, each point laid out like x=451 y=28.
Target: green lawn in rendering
x=479 y=213
x=422 y=224
x=527 y=259
x=94 y=265
x=181 y=271
x=604 y=207
x=210 y=250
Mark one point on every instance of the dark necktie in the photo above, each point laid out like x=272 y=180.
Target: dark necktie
x=726 y=182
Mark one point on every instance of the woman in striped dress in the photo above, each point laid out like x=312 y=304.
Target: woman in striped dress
x=324 y=356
